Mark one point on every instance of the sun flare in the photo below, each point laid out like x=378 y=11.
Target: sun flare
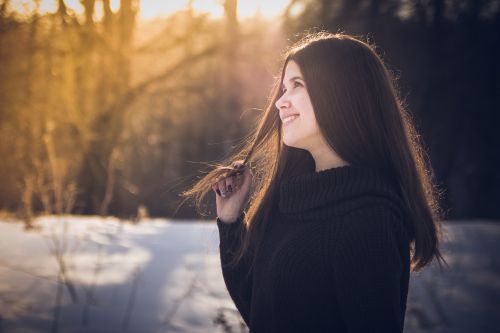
x=246 y=8
x=150 y=9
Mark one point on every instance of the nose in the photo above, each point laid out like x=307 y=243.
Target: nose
x=282 y=102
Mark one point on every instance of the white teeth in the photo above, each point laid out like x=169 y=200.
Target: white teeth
x=289 y=118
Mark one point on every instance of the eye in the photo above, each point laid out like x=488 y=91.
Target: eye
x=295 y=84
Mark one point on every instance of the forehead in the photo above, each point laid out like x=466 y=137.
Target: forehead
x=291 y=70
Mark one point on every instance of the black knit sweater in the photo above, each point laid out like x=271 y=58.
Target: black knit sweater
x=333 y=258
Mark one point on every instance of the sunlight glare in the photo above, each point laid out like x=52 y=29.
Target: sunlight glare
x=150 y=9
x=246 y=8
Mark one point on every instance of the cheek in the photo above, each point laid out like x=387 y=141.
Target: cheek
x=307 y=112
x=304 y=102
x=309 y=124
x=311 y=128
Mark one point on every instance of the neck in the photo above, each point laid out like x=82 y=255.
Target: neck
x=336 y=191
x=325 y=158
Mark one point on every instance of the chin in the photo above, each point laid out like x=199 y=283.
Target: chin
x=288 y=142
x=291 y=143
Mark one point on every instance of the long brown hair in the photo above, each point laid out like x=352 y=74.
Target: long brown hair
x=360 y=114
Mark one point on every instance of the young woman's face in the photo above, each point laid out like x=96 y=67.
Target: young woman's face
x=299 y=126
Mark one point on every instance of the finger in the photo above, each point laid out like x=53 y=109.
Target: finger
x=222 y=188
x=215 y=187
x=247 y=178
x=238 y=180
x=230 y=184
x=238 y=164
x=238 y=167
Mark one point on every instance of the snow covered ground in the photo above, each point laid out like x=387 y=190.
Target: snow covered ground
x=92 y=274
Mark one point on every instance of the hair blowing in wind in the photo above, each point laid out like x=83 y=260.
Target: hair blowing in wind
x=361 y=116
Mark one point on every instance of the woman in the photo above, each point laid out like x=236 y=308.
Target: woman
x=341 y=206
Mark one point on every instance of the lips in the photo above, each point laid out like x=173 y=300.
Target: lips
x=289 y=118
x=285 y=115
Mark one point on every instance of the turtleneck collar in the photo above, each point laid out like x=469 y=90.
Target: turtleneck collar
x=335 y=190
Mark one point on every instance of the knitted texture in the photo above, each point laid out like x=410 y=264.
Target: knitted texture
x=333 y=257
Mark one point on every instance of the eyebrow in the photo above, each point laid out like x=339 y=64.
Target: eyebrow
x=292 y=79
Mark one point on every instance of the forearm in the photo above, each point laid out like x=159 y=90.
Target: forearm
x=237 y=279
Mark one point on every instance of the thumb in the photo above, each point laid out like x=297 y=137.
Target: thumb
x=244 y=181
x=247 y=177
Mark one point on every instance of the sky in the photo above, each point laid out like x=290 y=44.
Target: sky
x=157 y=8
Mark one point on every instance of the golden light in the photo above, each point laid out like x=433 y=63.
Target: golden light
x=154 y=8
x=246 y=8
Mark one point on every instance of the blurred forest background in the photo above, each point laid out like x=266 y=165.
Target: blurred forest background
x=105 y=112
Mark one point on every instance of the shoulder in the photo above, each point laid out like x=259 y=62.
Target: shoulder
x=373 y=222
x=372 y=239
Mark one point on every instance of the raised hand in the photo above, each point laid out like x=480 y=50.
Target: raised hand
x=232 y=192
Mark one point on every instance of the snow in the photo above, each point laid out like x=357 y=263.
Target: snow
x=104 y=275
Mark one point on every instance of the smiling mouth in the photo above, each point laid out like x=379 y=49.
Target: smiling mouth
x=289 y=119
